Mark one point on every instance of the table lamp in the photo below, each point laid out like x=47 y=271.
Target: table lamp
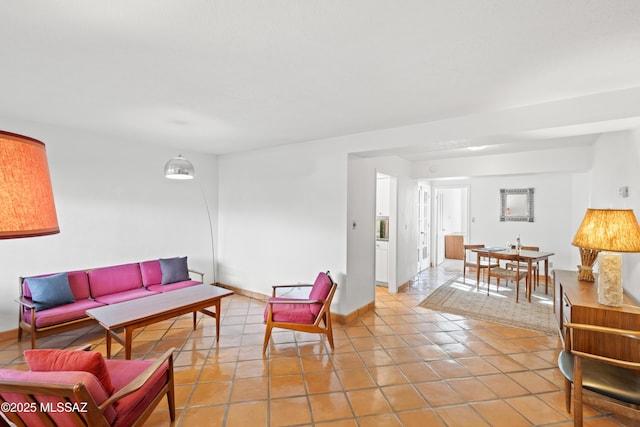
x=604 y=233
x=27 y=208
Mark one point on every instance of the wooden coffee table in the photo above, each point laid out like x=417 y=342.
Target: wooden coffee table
x=140 y=312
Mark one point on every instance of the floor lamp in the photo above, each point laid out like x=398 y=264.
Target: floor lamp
x=181 y=168
x=27 y=208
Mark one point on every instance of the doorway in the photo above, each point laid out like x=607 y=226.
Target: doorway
x=424 y=226
x=386 y=231
x=451 y=212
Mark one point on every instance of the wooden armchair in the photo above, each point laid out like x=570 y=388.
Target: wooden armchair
x=125 y=393
x=611 y=384
x=302 y=314
x=473 y=261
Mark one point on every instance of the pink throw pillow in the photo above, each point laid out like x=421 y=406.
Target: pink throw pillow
x=70 y=360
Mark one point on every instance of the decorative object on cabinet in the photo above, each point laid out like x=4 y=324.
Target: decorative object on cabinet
x=601 y=230
x=27 y=208
x=181 y=168
x=516 y=204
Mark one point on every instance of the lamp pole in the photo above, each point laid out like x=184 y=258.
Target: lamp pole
x=181 y=168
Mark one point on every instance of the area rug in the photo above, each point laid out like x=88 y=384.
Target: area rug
x=460 y=298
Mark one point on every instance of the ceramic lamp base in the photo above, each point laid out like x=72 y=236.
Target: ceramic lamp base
x=610 y=279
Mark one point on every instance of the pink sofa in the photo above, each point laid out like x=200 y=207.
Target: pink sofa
x=94 y=288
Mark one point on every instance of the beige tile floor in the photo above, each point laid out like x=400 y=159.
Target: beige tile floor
x=398 y=366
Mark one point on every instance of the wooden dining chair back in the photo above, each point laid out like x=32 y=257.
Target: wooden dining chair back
x=508 y=274
x=610 y=384
x=473 y=261
x=535 y=267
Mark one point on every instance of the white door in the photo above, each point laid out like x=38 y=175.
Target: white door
x=440 y=231
x=424 y=226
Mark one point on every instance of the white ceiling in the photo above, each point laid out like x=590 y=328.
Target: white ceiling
x=233 y=75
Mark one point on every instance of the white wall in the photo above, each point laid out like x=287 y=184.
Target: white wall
x=552 y=228
x=114 y=206
x=283 y=217
x=616 y=164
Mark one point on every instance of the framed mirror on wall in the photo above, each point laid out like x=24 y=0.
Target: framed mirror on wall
x=516 y=204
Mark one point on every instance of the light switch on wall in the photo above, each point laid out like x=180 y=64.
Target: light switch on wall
x=624 y=191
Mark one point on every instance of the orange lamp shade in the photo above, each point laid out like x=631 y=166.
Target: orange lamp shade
x=27 y=208
x=614 y=230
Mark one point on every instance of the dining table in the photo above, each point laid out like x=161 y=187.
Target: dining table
x=528 y=257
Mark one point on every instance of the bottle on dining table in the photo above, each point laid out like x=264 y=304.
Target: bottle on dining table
x=518 y=244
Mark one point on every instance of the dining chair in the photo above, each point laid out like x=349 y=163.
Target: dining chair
x=508 y=274
x=473 y=264
x=311 y=314
x=535 y=267
x=611 y=384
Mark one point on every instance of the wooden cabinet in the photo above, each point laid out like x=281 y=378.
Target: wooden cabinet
x=454 y=246
x=577 y=301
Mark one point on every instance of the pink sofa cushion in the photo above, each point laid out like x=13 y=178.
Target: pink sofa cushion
x=122 y=373
x=124 y=296
x=118 y=278
x=61 y=377
x=70 y=360
x=78 y=282
x=64 y=313
x=151 y=272
x=173 y=286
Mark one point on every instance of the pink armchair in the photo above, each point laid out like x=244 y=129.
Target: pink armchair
x=77 y=388
x=312 y=314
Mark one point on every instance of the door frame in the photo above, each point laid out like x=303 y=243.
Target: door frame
x=424 y=226
x=438 y=211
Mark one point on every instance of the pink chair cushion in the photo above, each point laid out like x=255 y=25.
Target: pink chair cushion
x=122 y=373
x=151 y=272
x=291 y=313
x=61 y=314
x=118 y=278
x=70 y=360
x=302 y=313
x=60 y=377
x=78 y=282
x=121 y=296
x=320 y=290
